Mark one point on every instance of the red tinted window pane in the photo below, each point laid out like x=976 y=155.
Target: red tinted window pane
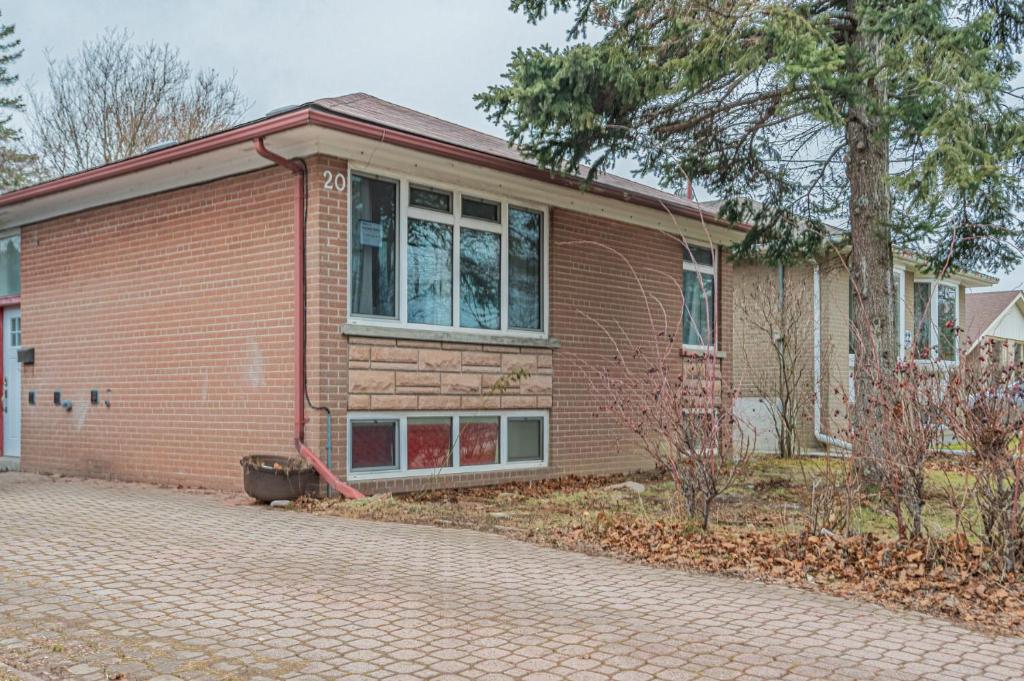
x=430 y=443
x=478 y=440
x=373 y=444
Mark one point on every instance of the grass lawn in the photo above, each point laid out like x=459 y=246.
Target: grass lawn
x=759 y=531
x=771 y=498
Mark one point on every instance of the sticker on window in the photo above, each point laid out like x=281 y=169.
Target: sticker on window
x=370 y=233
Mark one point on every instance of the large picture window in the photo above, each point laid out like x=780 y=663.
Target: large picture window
x=699 y=297
x=399 y=445
x=441 y=259
x=936 y=319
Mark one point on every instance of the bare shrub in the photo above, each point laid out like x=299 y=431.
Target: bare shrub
x=679 y=408
x=908 y=401
x=984 y=407
x=780 y=317
x=833 y=492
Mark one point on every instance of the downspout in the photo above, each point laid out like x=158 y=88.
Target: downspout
x=298 y=169
x=819 y=434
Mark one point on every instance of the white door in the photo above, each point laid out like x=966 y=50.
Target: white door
x=12 y=382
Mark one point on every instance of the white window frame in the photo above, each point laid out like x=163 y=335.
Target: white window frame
x=402 y=419
x=933 y=321
x=405 y=212
x=902 y=339
x=711 y=269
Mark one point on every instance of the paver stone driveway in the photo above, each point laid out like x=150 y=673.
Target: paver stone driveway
x=99 y=579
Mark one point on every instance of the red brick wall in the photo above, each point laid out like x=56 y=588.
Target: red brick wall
x=177 y=308
x=590 y=279
x=180 y=305
x=326 y=308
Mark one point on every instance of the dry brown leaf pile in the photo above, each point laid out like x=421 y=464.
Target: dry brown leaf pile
x=945 y=577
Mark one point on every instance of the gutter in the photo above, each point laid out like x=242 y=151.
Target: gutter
x=298 y=168
x=311 y=114
x=226 y=138
x=819 y=434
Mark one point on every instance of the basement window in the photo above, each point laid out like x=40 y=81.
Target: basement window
x=374 y=445
x=388 y=445
x=437 y=259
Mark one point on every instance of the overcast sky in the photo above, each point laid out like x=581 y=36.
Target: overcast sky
x=431 y=55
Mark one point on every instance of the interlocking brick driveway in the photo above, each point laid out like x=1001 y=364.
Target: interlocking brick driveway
x=99 y=578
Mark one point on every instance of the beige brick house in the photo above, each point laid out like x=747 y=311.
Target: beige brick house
x=347 y=262
x=930 y=312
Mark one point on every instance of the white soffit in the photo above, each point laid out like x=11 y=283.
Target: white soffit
x=197 y=169
x=365 y=154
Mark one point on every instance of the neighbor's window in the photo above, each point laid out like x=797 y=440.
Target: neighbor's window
x=10 y=266
x=936 y=319
x=467 y=262
x=374 y=264
x=897 y=312
x=389 y=445
x=698 y=297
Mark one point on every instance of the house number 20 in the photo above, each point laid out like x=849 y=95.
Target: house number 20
x=334 y=181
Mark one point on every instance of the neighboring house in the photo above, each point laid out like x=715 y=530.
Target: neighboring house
x=928 y=316
x=171 y=325
x=996 y=317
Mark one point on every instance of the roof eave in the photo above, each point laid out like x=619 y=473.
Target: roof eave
x=313 y=114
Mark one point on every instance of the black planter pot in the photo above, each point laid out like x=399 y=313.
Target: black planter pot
x=272 y=478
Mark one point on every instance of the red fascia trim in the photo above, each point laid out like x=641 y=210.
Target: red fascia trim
x=507 y=165
x=353 y=126
x=10 y=300
x=220 y=140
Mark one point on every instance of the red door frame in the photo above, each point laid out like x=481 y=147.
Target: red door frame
x=5 y=302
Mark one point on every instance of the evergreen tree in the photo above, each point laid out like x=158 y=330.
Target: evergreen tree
x=899 y=119
x=14 y=165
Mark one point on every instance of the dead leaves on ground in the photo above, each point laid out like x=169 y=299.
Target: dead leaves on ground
x=946 y=577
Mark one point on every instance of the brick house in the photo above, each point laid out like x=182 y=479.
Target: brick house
x=930 y=312
x=215 y=298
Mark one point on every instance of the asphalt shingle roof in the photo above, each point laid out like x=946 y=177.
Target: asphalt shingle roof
x=387 y=114
x=983 y=309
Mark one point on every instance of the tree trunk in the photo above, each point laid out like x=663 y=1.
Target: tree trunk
x=867 y=168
